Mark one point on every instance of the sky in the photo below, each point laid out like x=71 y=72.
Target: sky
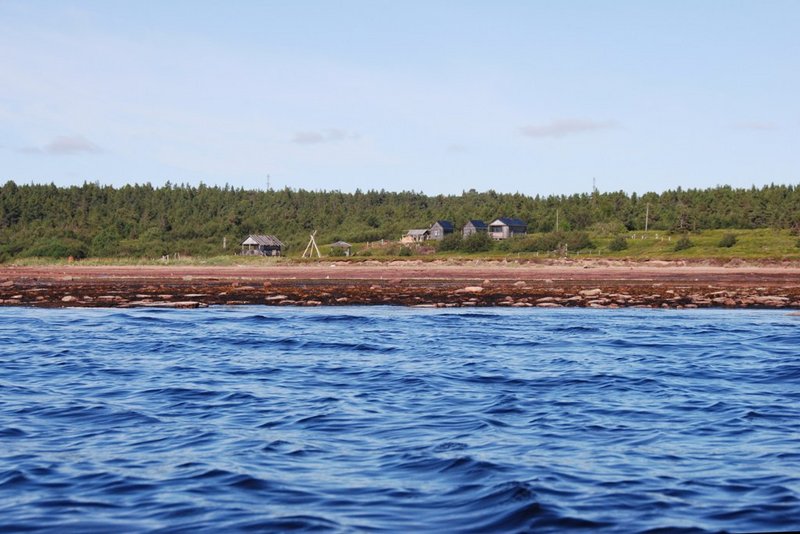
x=536 y=97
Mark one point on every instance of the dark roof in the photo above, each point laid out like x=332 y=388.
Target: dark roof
x=510 y=221
x=447 y=225
x=476 y=223
x=265 y=240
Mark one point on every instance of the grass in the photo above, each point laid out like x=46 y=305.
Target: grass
x=762 y=244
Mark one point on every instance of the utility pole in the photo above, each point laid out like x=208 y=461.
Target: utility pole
x=647 y=217
x=268 y=186
x=556 y=219
x=224 y=242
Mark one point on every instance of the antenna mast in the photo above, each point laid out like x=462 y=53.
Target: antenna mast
x=312 y=247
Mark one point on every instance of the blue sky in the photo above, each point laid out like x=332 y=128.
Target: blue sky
x=434 y=96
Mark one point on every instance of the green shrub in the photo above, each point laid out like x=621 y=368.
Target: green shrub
x=477 y=242
x=727 y=241
x=364 y=253
x=618 y=243
x=553 y=241
x=450 y=242
x=683 y=243
x=405 y=251
x=54 y=247
x=337 y=252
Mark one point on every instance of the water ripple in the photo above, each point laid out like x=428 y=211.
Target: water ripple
x=350 y=419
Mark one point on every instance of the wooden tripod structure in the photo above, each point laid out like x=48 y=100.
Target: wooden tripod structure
x=312 y=247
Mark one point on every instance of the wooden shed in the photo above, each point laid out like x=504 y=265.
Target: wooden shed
x=474 y=226
x=415 y=236
x=343 y=246
x=262 y=245
x=439 y=229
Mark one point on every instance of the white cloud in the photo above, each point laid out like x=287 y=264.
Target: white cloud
x=322 y=136
x=65 y=145
x=562 y=127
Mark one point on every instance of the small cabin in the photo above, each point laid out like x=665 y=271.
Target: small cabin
x=440 y=229
x=415 y=236
x=341 y=248
x=474 y=226
x=506 y=227
x=262 y=245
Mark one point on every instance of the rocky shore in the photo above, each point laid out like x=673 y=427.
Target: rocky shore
x=667 y=286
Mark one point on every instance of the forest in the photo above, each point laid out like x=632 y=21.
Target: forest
x=93 y=220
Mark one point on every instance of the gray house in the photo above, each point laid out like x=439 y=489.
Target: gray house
x=261 y=245
x=506 y=227
x=439 y=229
x=473 y=226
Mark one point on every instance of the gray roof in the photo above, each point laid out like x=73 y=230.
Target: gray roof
x=263 y=240
x=341 y=244
x=417 y=232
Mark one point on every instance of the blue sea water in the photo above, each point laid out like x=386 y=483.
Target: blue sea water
x=397 y=419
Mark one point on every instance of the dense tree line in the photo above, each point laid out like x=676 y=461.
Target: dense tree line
x=142 y=220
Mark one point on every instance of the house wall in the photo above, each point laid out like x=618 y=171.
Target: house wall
x=437 y=232
x=499 y=232
x=470 y=229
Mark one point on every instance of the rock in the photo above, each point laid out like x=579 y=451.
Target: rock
x=487 y=282
x=195 y=295
x=342 y=299
x=470 y=289
x=69 y=298
x=246 y=288
x=545 y=300
x=520 y=283
x=522 y=305
x=183 y=304
x=7 y=283
x=770 y=300
x=166 y=297
x=276 y=297
x=590 y=292
x=313 y=303
x=548 y=305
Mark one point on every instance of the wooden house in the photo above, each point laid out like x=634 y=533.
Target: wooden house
x=440 y=229
x=262 y=245
x=506 y=227
x=415 y=236
x=474 y=226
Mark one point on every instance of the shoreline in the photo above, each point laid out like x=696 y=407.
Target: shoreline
x=596 y=284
